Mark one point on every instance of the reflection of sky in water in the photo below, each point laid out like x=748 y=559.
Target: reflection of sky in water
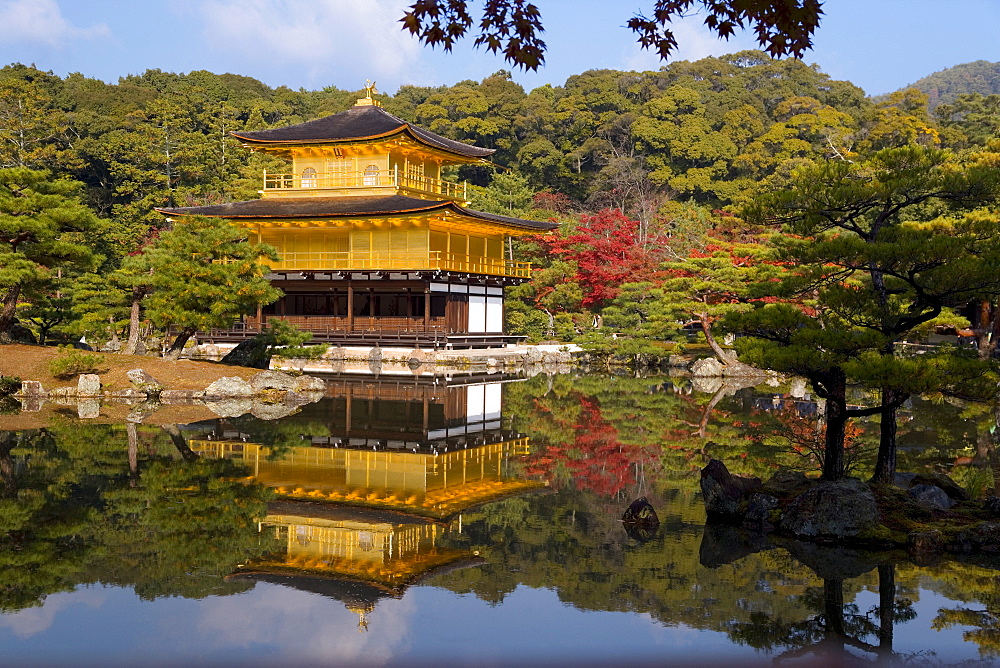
x=276 y=625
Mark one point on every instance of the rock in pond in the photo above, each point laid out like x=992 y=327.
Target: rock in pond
x=723 y=491
x=832 y=509
x=227 y=387
x=88 y=385
x=273 y=380
x=640 y=511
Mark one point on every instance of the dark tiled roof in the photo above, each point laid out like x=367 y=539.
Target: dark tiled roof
x=360 y=122
x=337 y=207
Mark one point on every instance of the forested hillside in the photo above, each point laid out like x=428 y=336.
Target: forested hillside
x=643 y=168
x=946 y=86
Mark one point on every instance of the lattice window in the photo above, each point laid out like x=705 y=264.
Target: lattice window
x=338 y=171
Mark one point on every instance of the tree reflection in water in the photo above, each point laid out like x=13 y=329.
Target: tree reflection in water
x=136 y=506
x=120 y=504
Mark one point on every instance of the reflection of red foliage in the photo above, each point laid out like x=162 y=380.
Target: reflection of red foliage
x=597 y=461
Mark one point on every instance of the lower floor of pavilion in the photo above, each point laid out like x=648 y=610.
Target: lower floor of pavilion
x=428 y=309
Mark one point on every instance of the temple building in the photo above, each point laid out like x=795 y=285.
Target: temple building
x=376 y=246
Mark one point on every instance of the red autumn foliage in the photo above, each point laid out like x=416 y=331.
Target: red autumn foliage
x=550 y=201
x=607 y=251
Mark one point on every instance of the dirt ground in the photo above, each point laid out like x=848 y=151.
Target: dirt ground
x=32 y=363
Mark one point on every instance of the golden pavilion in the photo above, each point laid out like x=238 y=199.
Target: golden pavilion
x=376 y=246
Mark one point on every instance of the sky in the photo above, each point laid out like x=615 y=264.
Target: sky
x=879 y=45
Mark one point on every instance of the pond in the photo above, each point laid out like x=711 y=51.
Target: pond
x=465 y=520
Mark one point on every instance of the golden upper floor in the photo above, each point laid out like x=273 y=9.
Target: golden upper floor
x=362 y=151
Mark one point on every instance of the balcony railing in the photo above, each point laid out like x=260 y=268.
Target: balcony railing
x=359 y=180
x=401 y=261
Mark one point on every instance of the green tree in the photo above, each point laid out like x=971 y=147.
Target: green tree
x=204 y=275
x=43 y=227
x=876 y=275
x=712 y=282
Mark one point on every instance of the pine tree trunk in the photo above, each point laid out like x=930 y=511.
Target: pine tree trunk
x=724 y=355
x=988 y=342
x=177 y=347
x=9 y=311
x=836 y=424
x=133 y=329
x=885 y=464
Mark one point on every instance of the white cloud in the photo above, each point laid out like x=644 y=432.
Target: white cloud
x=31 y=621
x=319 y=37
x=41 y=21
x=305 y=628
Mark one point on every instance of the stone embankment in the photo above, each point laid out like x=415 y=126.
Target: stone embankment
x=268 y=394
x=923 y=513
x=532 y=359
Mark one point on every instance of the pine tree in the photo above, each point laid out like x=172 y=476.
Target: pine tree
x=204 y=275
x=880 y=262
x=43 y=227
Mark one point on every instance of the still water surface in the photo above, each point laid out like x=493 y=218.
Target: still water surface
x=462 y=521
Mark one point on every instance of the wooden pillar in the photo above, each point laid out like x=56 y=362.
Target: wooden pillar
x=371 y=306
x=427 y=307
x=350 y=306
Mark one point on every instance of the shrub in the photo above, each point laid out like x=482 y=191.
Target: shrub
x=9 y=385
x=72 y=362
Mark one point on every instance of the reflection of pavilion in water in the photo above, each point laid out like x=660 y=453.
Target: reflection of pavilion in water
x=429 y=449
x=363 y=509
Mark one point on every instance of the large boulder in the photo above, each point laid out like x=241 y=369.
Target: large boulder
x=832 y=509
x=982 y=537
x=954 y=491
x=786 y=484
x=931 y=496
x=32 y=388
x=255 y=352
x=723 y=492
x=144 y=381
x=758 y=512
x=273 y=380
x=18 y=333
x=707 y=367
x=533 y=356
x=88 y=385
x=229 y=387
x=309 y=384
